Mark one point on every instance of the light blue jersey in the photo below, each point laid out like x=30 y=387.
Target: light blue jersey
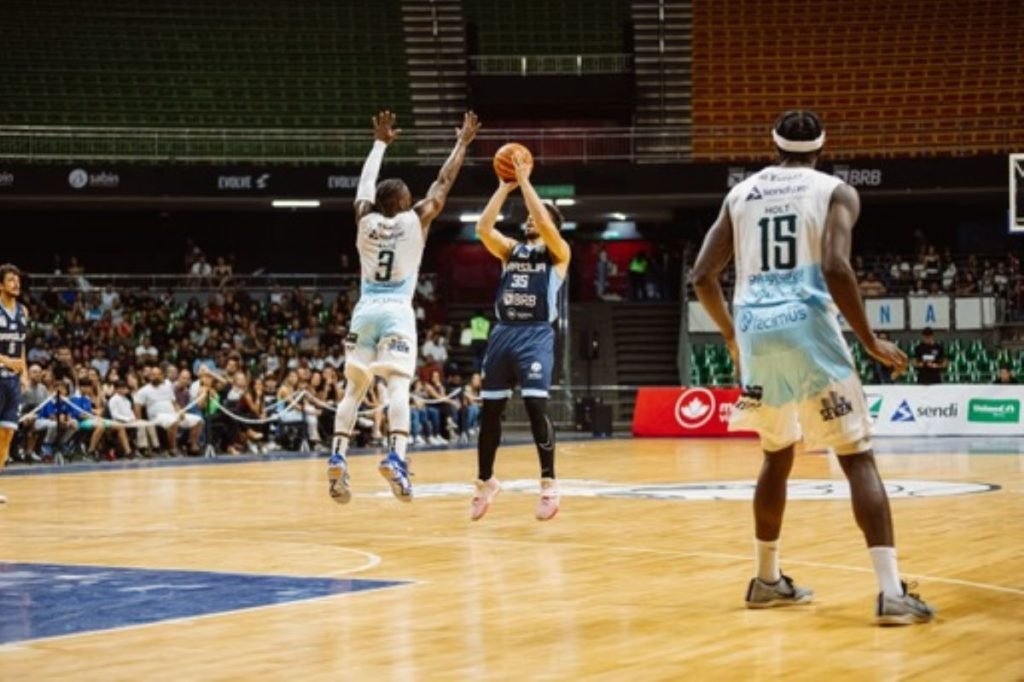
x=793 y=357
x=382 y=335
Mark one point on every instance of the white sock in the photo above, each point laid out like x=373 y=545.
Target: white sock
x=884 y=559
x=399 y=444
x=767 y=560
x=339 y=445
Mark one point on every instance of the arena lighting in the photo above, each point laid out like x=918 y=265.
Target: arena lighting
x=565 y=202
x=295 y=203
x=473 y=217
x=617 y=216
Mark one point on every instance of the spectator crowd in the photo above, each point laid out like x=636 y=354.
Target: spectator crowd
x=132 y=373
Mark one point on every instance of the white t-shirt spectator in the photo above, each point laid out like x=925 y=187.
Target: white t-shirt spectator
x=121 y=408
x=435 y=351
x=101 y=365
x=273 y=362
x=201 y=269
x=157 y=400
x=107 y=299
x=425 y=288
x=948 y=275
x=143 y=351
x=335 y=361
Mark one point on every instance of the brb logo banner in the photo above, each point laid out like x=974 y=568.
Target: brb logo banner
x=680 y=412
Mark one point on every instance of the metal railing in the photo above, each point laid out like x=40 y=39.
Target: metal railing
x=550 y=64
x=163 y=282
x=429 y=146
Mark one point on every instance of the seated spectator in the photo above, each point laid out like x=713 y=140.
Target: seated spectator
x=919 y=289
x=146 y=351
x=967 y=286
x=1005 y=376
x=222 y=272
x=446 y=406
x=122 y=413
x=32 y=396
x=57 y=420
x=156 y=399
x=472 y=402
x=100 y=362
x=419 y=419
x=870 y=286
x=949 y=276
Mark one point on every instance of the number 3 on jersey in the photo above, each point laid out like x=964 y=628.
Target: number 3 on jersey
x=385 y=262
x=783 y=234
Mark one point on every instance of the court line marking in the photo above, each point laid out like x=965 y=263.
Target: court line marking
x=371 y=560
x=722 y=556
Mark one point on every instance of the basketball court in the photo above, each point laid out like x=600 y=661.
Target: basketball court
x=246 y=570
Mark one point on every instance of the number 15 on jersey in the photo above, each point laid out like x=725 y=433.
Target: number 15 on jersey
x=778 y=242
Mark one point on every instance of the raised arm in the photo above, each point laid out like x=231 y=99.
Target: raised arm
x=430 y=206
x=549 y=233
x=842 y=281
x=715 y=254
x=384 y=133
x=498 y=244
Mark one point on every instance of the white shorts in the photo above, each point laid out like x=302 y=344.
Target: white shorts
x=799 y=381
x=382 y=338
x=187 y=420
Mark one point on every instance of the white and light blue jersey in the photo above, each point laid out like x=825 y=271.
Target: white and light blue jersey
x=786 y=321
x=778 y=219
x=390 y=251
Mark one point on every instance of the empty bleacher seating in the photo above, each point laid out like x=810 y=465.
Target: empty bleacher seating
x=914 y=77
x=540 y=27
x=190 y=63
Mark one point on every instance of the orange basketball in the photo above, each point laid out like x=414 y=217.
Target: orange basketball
x=503 y=164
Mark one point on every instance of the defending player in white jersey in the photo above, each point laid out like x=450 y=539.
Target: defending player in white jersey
x=790 y=228
x=391 y=232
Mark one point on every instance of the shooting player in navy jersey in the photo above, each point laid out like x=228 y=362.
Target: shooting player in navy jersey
x=522 y=346
x=13 y=329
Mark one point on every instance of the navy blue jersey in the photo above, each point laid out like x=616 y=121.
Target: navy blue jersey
x=13 y=330
x=529 y=286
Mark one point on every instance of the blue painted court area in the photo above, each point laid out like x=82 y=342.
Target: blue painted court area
x=50 y=600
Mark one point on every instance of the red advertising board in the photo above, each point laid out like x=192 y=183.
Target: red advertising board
x=684 y=411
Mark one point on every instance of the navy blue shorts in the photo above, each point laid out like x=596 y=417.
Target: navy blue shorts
x=10 y=396
x=522 y=354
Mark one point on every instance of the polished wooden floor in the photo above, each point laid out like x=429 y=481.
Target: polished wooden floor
x=614 y=588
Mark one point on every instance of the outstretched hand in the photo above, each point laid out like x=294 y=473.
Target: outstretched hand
x=470 y=126
x=384 y=127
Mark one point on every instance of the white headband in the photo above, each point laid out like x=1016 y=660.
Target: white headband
x=798 y=146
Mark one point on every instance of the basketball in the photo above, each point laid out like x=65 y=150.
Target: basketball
x=503 y=164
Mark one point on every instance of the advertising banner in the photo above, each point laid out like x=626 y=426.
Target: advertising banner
x=673 y=411
x=896 y=410
x=940 y=410
x=883 y=313
x=929 y=311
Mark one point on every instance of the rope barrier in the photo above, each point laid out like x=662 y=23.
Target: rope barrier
x=280 y=407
